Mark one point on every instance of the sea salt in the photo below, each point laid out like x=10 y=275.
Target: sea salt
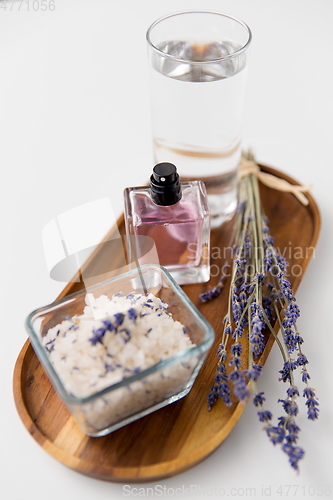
x=112 y=340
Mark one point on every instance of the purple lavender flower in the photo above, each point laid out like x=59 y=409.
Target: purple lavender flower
x=311 y=403
x=302 y=360
x=299 y=339
x=212 y=396
x=259 y=399
x=293 y=312
x=213 y=292
x=132 y=314
x=268 y=308
x=236 y=349
x=239 y=332
x=108 y=325
x=289 y=337
x=97 y=336
x=240 y=386
x=291 y=426
x=236 y=362
x=220 y=387
x=295 y=453
x=228 y=330
x=291 y=438
x=289 y=406
x=257 y=339
x=259 y=278
x=221 y=353
x=265 y=416
x=288 y=366
x=286 y=287
x=305 y=376
x=126 y=334
x=275 y=434
x=236 y=308
x=292 y=391
x=254 y=372
x=109 y=367
x=49 y=349
x=313 y=413
x=119 y=318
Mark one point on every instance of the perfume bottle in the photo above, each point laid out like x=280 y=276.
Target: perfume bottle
x=176 y=217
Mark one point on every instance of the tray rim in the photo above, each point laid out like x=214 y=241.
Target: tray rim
x=171 y=467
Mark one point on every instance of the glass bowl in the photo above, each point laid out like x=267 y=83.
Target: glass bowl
x=135 y=391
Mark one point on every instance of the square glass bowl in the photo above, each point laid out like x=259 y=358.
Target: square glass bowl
x=138 y=392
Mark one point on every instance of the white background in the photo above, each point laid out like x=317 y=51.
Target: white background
x=75 y=128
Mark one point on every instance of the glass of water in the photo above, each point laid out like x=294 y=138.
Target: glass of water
x=198 y=68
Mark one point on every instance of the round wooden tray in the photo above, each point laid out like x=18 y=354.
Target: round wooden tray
x=184 y=433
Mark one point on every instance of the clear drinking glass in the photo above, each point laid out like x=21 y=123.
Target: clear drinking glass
x=198 y=69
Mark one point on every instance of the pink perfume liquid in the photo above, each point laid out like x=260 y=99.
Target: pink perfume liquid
x=175 y=229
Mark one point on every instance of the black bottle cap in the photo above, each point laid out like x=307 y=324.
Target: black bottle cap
x=165 y=184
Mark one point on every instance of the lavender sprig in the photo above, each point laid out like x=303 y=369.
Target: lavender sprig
x=260 y=293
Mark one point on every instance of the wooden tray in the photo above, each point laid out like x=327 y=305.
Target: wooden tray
x=184 y=433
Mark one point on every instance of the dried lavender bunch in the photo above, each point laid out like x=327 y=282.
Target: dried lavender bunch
x=260 y=293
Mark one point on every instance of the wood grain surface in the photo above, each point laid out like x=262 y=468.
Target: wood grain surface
x=184 y=433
